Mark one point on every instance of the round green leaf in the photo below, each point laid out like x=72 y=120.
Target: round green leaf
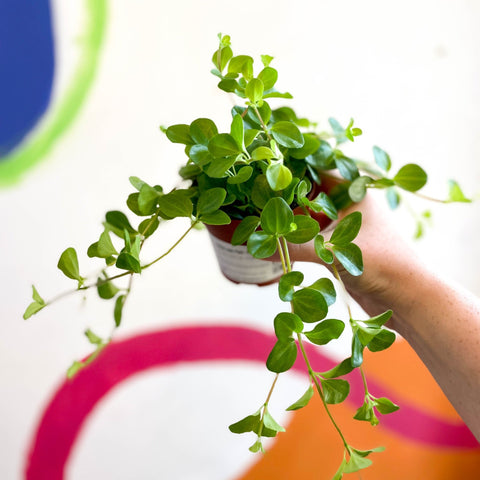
x=347 y=229
x=350 y=256
x=303 y=400
x=307 y=228
x=286 y=323
x=243 y=174
x=216 y=218
x=223 y=145
x=310 y=305
x=286 y=284
x=200 y=155
x=68 y=264
x=276 y=217
x=325 y=331
x=254 y=90
x=245 y=228
x=211 y=200
x=268 y=76
x=175 y=204
x=283 y=356
x=382 y=159
x=202 y=130
x=279 y=176
x=261 y=245
x=410 y=177
x=287 y=134
x=381 y=341
x=179 y=134
x=335 y=390
x=358 y=188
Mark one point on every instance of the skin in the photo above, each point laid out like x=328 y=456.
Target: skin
x=441 y=321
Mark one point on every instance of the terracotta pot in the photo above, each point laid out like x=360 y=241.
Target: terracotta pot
x=238 y=265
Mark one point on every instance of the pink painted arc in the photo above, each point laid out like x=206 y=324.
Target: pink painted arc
x=74 y=400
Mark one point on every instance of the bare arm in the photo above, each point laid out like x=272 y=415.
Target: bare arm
x=440 y=320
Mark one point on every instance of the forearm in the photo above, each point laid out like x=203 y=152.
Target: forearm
x=442 y=323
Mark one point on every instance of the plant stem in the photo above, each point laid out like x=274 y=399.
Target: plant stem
x=364 y=380
x=262 y=123
x=282 y=256
x=319 y=390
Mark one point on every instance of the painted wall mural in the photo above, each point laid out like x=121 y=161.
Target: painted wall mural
x=27 y=63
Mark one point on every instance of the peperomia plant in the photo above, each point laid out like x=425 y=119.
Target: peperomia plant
x=280 y=181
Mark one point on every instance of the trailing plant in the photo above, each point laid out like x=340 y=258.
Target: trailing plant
x=271 y=173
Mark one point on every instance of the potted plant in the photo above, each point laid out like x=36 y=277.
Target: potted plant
x=272 y=180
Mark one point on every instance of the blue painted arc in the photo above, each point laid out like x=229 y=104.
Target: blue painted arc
x=27 y=66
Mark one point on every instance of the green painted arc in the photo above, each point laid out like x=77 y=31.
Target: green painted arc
x=33 y=150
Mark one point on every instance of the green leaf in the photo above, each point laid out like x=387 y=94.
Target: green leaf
x=175 y=204
x=261 y=192
x=310 y=305
x=36 y=296
x=381 y=341
x=261 y=245
x=325 y=331
x=326 y=288
x=148 y=226
x=245 y=228
x=105 y=246
x=270 y=422
x=243 y=174
x=287 y=283
x=339 y=370
x=200 y=155
x=179 y=134
x=287 y=134
x=254 y=90
x=221 y=57
x=211 y=200
x=276 y=217
x=266 y=60
x=335 y=390
x=269 y=77
x=275 y=94
x=358 y=188
x=262 y=153
x=393 y=198
x=202 y=130
x=323 y=203
x=216 y=218
x=68 y=264
x=303 y=400
x=236 y=130
x=347 y=168
x=218 y=167
x=410 y=177
x=106 y=290
x=307 y=229
x=379 y=320
x=285 y=324
x=241 y=64
x=350 y=256
x=455 y=193
x=257 y=446
x=250 y=135
x=126 y=261
x=311 y=145
x=118 y=309
x=247 y=424
x=322 y=252
x=356 y=462
x=118 y=222
x=136 y=182
x=347 y=229
x=283 y=356
x=279 y=176
x=223 y=145
x=147 y=199
x=33 y=308
x=385 y=406
x=323 y=158
x=357 y=351
x=366 y=413
x=382 y=159
x=93 y=338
